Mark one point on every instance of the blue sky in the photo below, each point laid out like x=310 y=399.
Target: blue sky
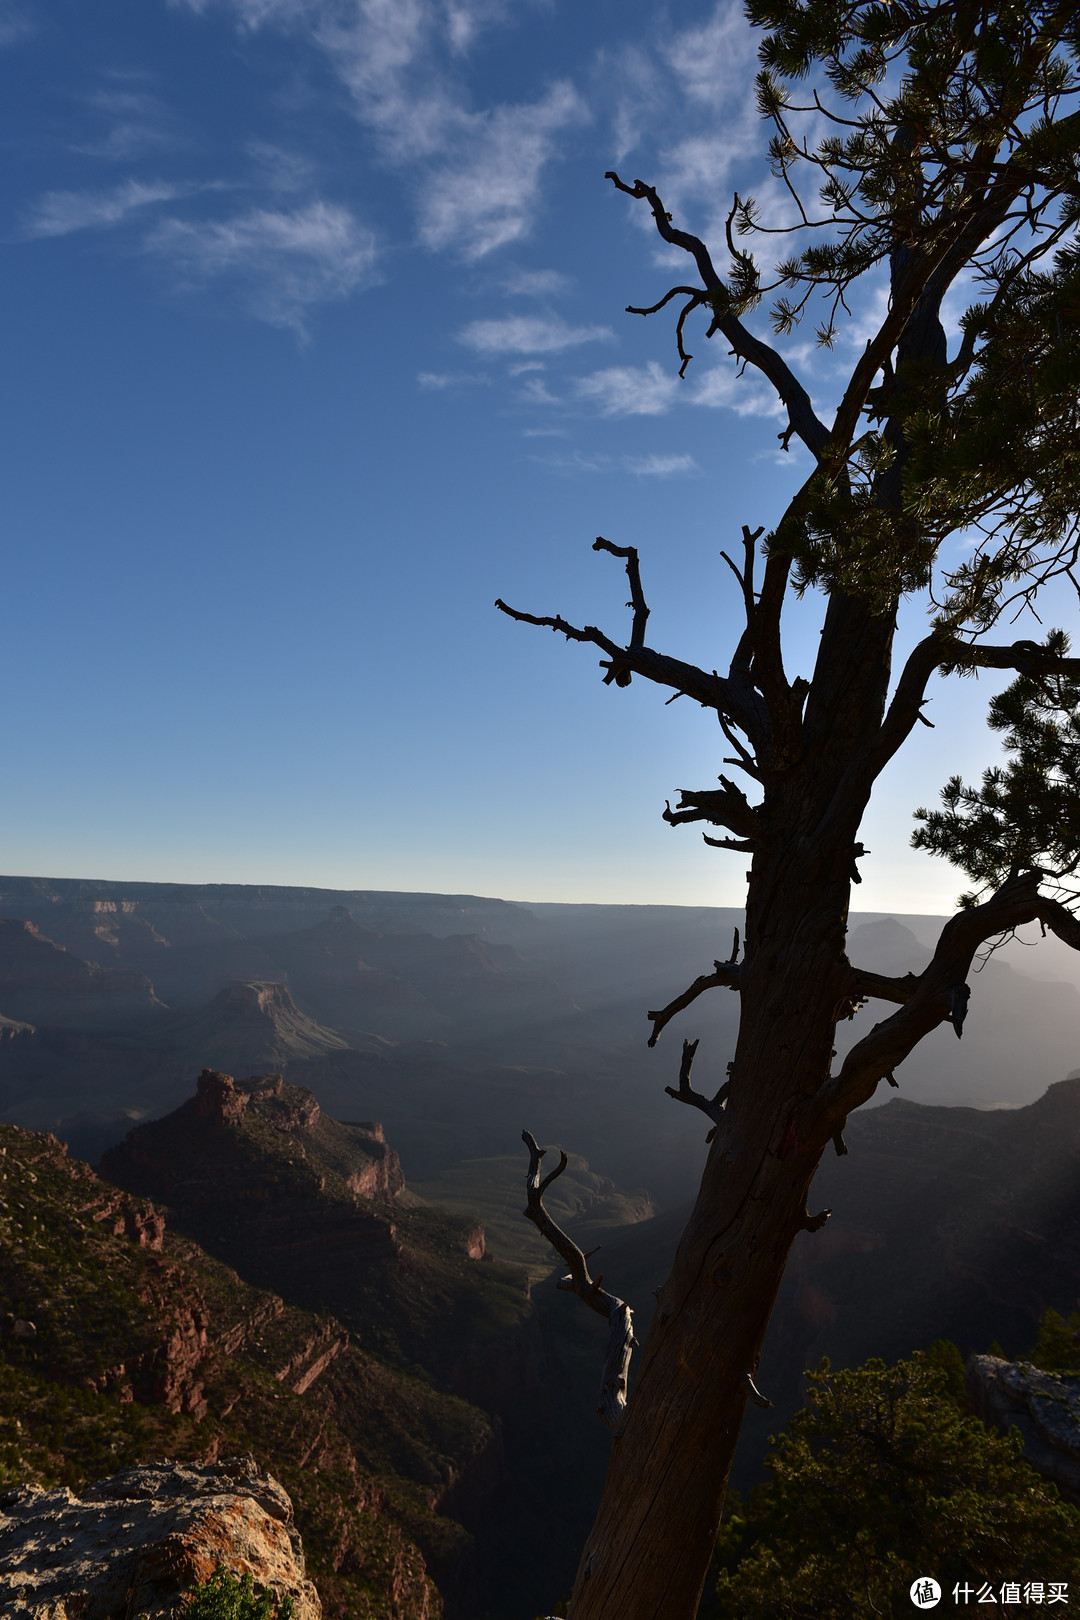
x=314 y=345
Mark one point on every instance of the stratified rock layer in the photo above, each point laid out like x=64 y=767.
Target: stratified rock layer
x=134 y=1544
x=122 y=1342
x=1045 y=1408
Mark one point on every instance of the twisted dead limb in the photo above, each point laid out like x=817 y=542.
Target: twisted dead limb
x=621 y=1341
x=713 y=1106
x=727 y=975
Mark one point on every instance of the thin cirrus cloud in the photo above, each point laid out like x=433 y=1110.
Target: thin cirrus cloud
x=646 y=390
x=16 y=22
x=692 y=96
x=484 y=197
x=650 y=466
x=137 y=122
x=537 y=283
x=660 y=466
x=59 y=213
x=745 y=393
x=715 y=60
x=477 y=172
x=529 y=334
x=650 y=390
x=282 y=262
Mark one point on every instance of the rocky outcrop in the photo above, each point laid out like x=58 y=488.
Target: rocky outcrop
x=123 y=1342
x=42 y=983
x=249 y=1027
x=254 y=1141
x=316 y=1209
x=1044 y=1407
x=133 y=1545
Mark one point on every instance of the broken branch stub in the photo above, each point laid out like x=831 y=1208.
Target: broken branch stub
x=621 y=1341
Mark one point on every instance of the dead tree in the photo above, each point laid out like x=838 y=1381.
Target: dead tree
x=951 y=150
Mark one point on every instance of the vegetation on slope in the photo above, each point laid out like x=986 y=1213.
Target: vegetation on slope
x=122 y=1343
x=884 y=1478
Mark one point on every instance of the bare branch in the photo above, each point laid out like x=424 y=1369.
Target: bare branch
x=756 y=1396
x=1026 y=657
x=742 y=846
x=728 y=975
x=745 y=577
x=794 y=396
x=684 y=357
x=637 y=595
x=621 y=1341
x=939 y=650
x=728 y=807
x=688 y=292
x=686 y=1093
x=868 y=986
x=737 y=700
x=939 y=993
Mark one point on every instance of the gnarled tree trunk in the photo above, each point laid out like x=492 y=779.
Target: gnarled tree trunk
x=649 y=1551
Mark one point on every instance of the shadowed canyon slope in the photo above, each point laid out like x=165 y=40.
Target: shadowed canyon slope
x=414 y=1355
x=317 y=1209
x=951 y=1223
x=123 y=1341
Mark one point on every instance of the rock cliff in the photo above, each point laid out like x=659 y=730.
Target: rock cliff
x=1044 y=1407
x=42 y=983
x=134 y=1544
x=316 y=1209
x=125 y=1342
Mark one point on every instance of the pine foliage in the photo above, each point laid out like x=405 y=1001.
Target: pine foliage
x=884 y=1477
x=1026 y=814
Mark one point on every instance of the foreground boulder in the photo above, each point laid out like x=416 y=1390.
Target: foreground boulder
x=1044 y=1407
x=134 y=1544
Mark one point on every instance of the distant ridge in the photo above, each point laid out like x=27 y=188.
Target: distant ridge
x=24 y=896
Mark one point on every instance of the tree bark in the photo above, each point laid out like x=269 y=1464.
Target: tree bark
x=649 y=1551
x=650 y=1548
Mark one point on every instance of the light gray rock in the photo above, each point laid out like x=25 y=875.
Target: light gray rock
x=131 y=1546
x=1044 y=1407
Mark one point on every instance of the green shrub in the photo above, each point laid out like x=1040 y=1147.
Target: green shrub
x=881 y=1479
x=1057 y=1348
x=228 y=1597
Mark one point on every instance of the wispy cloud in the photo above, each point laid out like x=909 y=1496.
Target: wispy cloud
x=652 y=390
x=485 y=194
x=650 y=466
x=283 y=263
x=59 y=213
x=536 y=283
x=529 y=334
x=691 y=95
x=138 y=121
x=638 y=91
x=16 y=22
x=715 y=61
x=535 y=391
x=660 y=466
x=630 y=390
x=747 y=395
x=278 y=169
x=438 y=381
x=478 y=172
